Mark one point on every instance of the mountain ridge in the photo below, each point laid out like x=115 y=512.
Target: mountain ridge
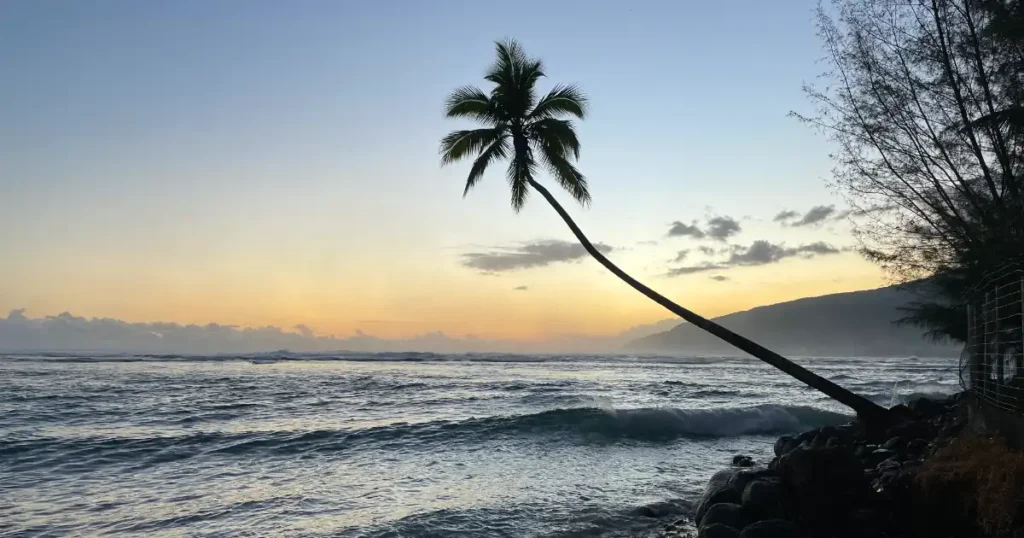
x=857 y=323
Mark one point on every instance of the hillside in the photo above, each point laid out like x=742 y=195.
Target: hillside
x=858 y=323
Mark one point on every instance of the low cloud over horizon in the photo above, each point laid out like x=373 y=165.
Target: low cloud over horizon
x=66 y=332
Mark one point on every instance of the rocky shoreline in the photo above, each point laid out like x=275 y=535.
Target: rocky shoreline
x=829 y=482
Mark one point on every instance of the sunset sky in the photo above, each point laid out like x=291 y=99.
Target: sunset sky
x=275 y=163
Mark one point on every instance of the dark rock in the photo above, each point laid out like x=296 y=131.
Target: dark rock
x=718 y=531
x=825 y=483
x=742 y=461
x=910 y=430
x=785 y=444
x=742 y=477
x=771 y=528
x=878 y=456
x=728 y=514
x=917 y=447
x=765 y=498
x=834 y=442
x=896 y=443
x=818 y=468
x=927 y=407
x=718 y=490
x=807 y=437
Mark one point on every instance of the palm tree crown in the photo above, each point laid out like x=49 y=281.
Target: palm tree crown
x=518 y=126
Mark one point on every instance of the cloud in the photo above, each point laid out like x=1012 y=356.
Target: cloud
x=707 y=251
x=529 y=255
x=681 y=255
x=107 y=339
x=758 y=253
x=690 y=269
x=646 y=243
x=520 y=288
x=719 y=278
x=722 y=228
x=814 y=216
x=786 y=215
x=718 y=228
x=679 y=229
x=762 y=252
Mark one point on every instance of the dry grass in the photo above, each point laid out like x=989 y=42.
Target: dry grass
x=984 y=476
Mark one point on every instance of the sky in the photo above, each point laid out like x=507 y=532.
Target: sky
x=276 y=163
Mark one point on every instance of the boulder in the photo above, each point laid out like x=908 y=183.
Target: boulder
x=824 y=483
x=927 y=407
x=896 y=443
x=878 y=456
x=917 y=447
x=718 y=531
x=771 y=528
x=785 y=444
x=820 y=469
x=718 y=490
x=765 y=498
x=728 y=514
x=742 y=461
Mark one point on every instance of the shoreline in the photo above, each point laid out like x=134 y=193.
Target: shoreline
x=828 y=482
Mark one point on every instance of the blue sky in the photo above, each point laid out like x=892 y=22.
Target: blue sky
x=276 y=162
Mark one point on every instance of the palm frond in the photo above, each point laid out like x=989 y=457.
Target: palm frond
x=515 y=76
x=558 y=134
x=461 y=144
x=497 y=150
x=470 y=102
x=1012 y=118
x=562 y=99
x=566 y=174
x=520 y=172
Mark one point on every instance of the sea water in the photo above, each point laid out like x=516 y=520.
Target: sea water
x=396 y=445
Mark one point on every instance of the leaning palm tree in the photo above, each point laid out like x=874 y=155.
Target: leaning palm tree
x=529 y=132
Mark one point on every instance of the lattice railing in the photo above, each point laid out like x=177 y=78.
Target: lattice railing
x=992 y=364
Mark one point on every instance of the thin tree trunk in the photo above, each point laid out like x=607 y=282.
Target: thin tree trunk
x=866 y=409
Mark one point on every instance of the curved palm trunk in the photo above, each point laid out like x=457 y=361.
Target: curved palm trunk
x=865 y=409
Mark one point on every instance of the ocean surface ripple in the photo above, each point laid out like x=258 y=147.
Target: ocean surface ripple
x=395 y=444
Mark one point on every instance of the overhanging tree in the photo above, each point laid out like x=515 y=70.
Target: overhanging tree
x=530 y=133
x=922 y=100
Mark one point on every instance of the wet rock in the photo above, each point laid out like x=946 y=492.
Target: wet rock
x=728 y=514
x=834 y=442
x=742 y=461
x=916 y=447
x=717 y=491
x=717 y=530
x=896 y=443
x=771 y=528
x=765 y=498
x=878 y=456
x=820 y=469
x=927 y=407
x=785 y=444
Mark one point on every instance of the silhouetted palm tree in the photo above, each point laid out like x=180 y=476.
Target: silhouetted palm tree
x=523 y=129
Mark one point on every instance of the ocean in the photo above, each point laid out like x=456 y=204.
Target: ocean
x=396 y=445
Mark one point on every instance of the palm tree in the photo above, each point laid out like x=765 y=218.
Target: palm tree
x=522 y=129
